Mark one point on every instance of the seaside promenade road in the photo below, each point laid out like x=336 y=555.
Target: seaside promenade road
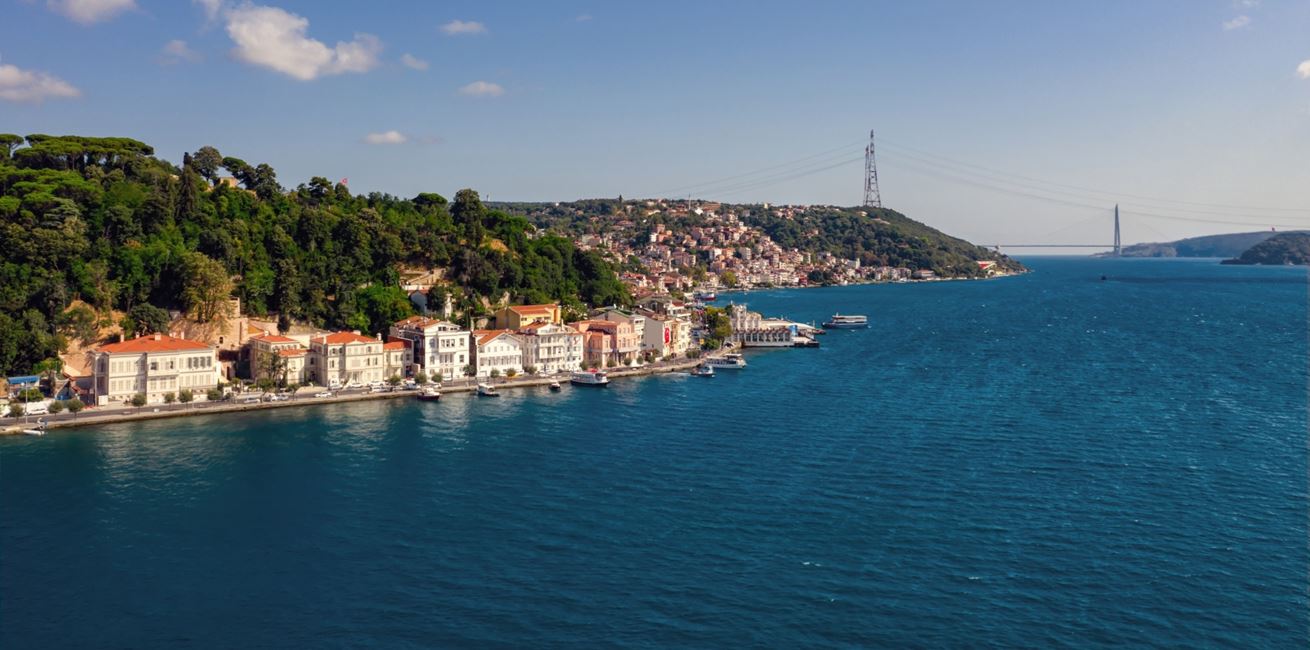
x=302 y=397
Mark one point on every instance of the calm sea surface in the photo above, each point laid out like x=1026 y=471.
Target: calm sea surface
x=1049 y=460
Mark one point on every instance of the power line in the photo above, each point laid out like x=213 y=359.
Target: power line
x=1141 y=213
x=894 y=145
x=790 y=163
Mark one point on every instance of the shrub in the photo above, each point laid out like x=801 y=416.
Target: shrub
x=421 y=377
x=495 y=372
x=16 y=409
x=56 y=407
x=139 y=400
x=214 y=394
x=169 y=398
x=511 y=373
x=394 y=380
x=529 y=370
x=185 y=396
x=75 y=406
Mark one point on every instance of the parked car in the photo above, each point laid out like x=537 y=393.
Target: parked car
x=280 y=397
x=323 y=393
x=253 y=399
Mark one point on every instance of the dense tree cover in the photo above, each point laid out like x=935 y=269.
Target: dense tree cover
x=102 y=220
x=877 y=237
x=1281 y=249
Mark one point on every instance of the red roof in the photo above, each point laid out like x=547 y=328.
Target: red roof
x=394 y=345
x=155 y=343
x=340 y=338
x=298 y=352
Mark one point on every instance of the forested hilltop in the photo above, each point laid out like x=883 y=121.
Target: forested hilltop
x=1281 y=249
x=100 y=232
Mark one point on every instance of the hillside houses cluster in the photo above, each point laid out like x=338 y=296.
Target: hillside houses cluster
x=731 y=252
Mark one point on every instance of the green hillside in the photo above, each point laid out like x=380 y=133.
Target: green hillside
x=1281 y=249
x=105 y=222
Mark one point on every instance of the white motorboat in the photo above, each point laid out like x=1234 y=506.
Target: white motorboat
x=487 y=390
x=732 y=360
x=591 y=377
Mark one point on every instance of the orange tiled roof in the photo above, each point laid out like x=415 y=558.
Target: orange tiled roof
x=486 y=336
x=339 y=338
x=298 y=352
x=532 y=310
x=393 y=345
x=154 y=343
x=417 y=321
x=273 y=338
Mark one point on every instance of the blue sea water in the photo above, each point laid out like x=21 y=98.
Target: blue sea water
x=1040 y=461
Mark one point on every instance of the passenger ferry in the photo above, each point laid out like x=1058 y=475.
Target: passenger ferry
x=591 y=377
x=847 y=321
x=706 y=296
x=732 y=360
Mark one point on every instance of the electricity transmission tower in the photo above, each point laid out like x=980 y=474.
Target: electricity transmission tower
x=872 y=198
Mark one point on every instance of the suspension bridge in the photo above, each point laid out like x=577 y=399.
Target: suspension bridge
x=1116 y=246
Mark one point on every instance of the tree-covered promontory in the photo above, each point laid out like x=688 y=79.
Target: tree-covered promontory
x=97 y=227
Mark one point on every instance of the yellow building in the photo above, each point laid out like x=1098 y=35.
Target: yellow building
x=519 y=316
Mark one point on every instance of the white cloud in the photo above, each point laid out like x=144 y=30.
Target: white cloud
x=386 y=137
x=582 y=18
x=177 y=51
x=482 y=89
x=458 y=27
x=212 y=7
x=1237 y=23
x=19 y=85
x=275 y=38
x=90 y=11
x=414 y=62
x=1303 y=70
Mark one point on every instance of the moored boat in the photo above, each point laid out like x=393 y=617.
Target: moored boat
x=487 y=390
x=732 y=360
x=846 y=321
x=591 y=377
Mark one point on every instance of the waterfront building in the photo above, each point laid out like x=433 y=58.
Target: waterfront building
x=287 y=357
x=394 y=354
x=656 y=334
x=551 y=347
x=516 y=317
x=499 y=350
x=608 y=342
x=153 y=365
x=343 y=359
x=439 y=348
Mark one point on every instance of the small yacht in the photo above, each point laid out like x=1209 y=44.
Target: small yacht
x=732 y=360
x=702 y=370
x=554 y=385
x=487 y=390
x=846 y=321
x=429 y=394
x=591 y=377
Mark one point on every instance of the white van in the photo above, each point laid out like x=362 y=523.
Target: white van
x=37 y=408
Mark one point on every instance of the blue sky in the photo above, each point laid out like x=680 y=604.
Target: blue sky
x=1198 y=103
